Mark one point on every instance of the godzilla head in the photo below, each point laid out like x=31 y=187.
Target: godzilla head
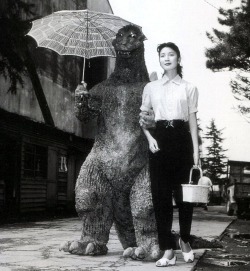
x=129 y=39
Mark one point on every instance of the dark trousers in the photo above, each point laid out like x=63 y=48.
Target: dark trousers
x=169 y=168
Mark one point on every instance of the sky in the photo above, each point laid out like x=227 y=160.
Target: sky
x=185 y=22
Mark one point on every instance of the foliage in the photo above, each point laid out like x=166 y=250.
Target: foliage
x=241 y=90
x=231 y=50
x=12 y=31
x=214 y=161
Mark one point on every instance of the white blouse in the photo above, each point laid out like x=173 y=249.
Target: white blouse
x=170 y=99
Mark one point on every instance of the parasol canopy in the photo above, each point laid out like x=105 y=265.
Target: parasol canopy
x=82 y=33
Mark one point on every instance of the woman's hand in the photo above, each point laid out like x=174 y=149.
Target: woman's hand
x=196 y=159
x=147 y=119
x=153 y=146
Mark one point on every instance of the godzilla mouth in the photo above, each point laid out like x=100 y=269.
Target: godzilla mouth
x=124 y=53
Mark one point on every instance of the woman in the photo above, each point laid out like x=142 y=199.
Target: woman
x=173 y=149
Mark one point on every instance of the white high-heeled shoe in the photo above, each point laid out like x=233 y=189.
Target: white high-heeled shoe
x=166 y=262
x=188 y=256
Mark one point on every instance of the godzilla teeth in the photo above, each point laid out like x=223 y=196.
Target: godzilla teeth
x=123 y=53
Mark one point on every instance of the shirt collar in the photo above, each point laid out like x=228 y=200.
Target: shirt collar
x=176 y=80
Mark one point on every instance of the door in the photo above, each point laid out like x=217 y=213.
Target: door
x=9 y=177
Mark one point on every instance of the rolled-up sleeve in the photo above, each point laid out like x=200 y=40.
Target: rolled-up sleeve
x=193 y=96
x=146 y=101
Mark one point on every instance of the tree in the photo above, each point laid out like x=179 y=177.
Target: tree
x=199 y=137
x=15 y=57
x=214 y=160
x=232 y=51
x=12 y=30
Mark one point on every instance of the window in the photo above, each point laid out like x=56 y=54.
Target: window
x=62 y=164
x=246 y=170
x=35 y=161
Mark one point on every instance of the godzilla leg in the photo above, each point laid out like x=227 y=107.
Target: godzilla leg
x=123 y=220
x=144 y=220
x=94 y=207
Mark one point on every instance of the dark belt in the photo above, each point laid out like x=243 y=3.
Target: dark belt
x=171 y=123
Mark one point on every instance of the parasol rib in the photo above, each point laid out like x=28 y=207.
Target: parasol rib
x=83 y=70
x=82 y=33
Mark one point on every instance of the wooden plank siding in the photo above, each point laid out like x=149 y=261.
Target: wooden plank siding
x=52 y=179
x=29 y=186
x=33 y=184
x=2 y=195
x=62 y=179
x=72 y=175
x=62 y=193
x=33 y=195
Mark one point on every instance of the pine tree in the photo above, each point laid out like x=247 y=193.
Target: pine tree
x=231 y=51
x=200 y=130
x=214 y=161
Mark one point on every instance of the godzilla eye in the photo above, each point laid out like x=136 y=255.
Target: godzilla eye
x=120 y=34
x=132 y=35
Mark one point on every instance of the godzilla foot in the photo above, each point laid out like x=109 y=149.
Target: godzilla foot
x=139 y=253
x=84 y=248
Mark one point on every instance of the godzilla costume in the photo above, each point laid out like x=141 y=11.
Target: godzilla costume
x=113 y=185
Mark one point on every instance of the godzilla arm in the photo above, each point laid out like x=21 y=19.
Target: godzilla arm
x=88 y=104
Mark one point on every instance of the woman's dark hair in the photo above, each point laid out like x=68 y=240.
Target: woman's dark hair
x=176 y=49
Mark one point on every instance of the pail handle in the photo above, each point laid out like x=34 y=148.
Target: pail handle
x=191 y=172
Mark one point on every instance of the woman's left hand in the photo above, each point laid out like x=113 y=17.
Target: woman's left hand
x=196 y=159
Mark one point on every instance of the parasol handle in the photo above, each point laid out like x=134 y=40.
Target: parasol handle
x=83 y=71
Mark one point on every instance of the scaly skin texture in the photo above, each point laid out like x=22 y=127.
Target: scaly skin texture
x=113 y=184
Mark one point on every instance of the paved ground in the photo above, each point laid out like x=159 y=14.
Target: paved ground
x=236 y=249
x=34 y=246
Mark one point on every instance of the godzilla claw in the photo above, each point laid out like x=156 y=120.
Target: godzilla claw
x=129 y=253
x=90 y=249
x=65 y=246
x=136 y=253
x=84 y=248
x=77 y=248
x=139 y=253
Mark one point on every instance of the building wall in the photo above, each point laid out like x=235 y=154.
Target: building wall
x=100 y=6
x=39 y=166
x=59 y=76
x=46 y=7
x=103 y=6
x=60 y=101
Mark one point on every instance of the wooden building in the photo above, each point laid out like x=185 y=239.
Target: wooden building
x=39 y=163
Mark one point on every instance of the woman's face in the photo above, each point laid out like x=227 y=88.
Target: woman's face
x=168 y=59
